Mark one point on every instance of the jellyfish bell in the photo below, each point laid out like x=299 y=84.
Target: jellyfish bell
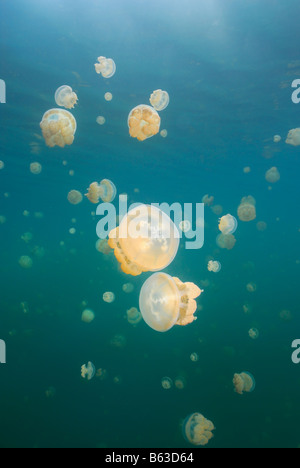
x=197 y=430
x=35 y=168
x=293 y=137
x=143 y=122
x=246 y=209
x=159 y=100
x=133 y=316
x=272 y=175
x=244 y=382
x=58 y=127
x=166 y=383
x=74 y=197
x=105 y=67
x=277 y=138
x=228 y=224
x=87 y=316
x=166 y=301
x=254 y=333
x=214 y=266
x=106 y=191
x=146 y=240
x=65 y=97
x=88 y=371
x=109 y=297
x=226 y=241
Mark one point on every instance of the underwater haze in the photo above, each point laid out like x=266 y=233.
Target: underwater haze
x=228 y=68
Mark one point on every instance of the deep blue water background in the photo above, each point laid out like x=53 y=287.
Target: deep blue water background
x=228 y=67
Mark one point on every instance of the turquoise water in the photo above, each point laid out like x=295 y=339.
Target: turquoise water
x=228 y=68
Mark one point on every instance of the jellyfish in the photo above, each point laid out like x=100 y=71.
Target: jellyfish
x=143 y=122
x=228 y=224
x=254 y=333
x=197 y=430
x=108 y=297
x=146 y=240
x=159 y=100
x=50 y=392
x=272 y=175
x=108 y=97
x=87 y=316
x=88 y=372
x=214 y=266
x=277 y=138
x=244 y=382
x=2 y=219
x=246 y=209
x=103 y=247
x=166 y=383
x=101 y=374
x=106 y=67
x=106 y=191
x=72 y=231
x=35 y=168
x=134 y=316
x=128 y=288
x=27 y=237
x=194 y=357
x=65 y=97
x=2 y=165
x=100 y=120
x=226 y=241
x=208 y=200
x=75 y=197
x=164 y=133
x=118 y=341
x=58 y=127
x=217 y=209
x=247 y=170
x=293 y=137
x=180 y=383
x=185 y=226
x=166 y=301
x=25 y=262
x=261 y=226
x=286 y=315
x=251 y=287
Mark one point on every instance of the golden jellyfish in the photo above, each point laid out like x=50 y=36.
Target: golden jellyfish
x=226 y=241
x=277 y=138
x=103 y=247
x=244 y=382
x=251 y=287
x=293 y=137
x=166 y=383
x=214 y=266
x=247 y=210
x=134 y=316
x=100 y=120
x=87 y=316
x=180 y=383
x=35 y=168
x=108 y=297
x=194 y=357
x=146 y=240
x=88 y=371
x=247 y=170
x=143 y=122
x=185 y=226
x=108 y=97
x=198 y=430
x=65 y=97
x=25 y=262
x=253 y=333
x=101 y=374
x=72 y=231
x=106 y=191
x=228 y=224
x=58 y=127
x=164 y=133
x=208 y=200
x=74 y=197
x=272 y=175
x=261 y=226
x=2 y=165
x=166 y=301
x=128 y=288
x=105 y=67
x=159 y=100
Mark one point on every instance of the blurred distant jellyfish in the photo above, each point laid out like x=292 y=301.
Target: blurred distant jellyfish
x=197 y=430
x=106 y=191
x=50 y=392
x=106 y=67
x=118 y=341
x=261 y=226
x=244 y=382
x=214 y=266
x=87 y=316
x=272 y=175
x=146 y=240
x=101 y=374
x=159 y=100
x=246 y=209
x=194 y=357
x=166 y=301
x=2 y=165
x=277 y=138
x=286 y=315
x=217 y=209
x=164 y=133
x=251 y=287
x=254 y=333
x=128 y=288
x=143 y=122
x=58 y=127
x=75 y=197
x=35 y=168
x=185 y=226
x=180 y=383
x=293 y=137
x=72 y=231
x=65 y=97
x=108 y=97
x=228 y=224
x=166 y=383
x=100 y=120
x=27 y=237
x=226 y=241
x=247 y=309
x=88 y=371
x=2 y=219
x=108 y=297
x=208 y=200
x=25 y=262
x=247 y=170
x=103 y=247
x=134 y=316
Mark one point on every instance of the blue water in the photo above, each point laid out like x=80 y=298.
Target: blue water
x=228 y=67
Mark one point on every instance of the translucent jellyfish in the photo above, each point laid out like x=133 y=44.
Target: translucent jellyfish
x=25 y=262
x=254 y=333
x=103 y=247
x=101 y=374
x=164 y=133
x=226 y=241
x=128 y=288
x=72 y=231
x=180 y=383
x=118 y=341
x=185 y=226
x=143 y=122
x=108 y=297
x=108 y=97
x=247 y=170
x=217 y=209
x=106 y=67
x=2 y=165
x=27 y=237
x=272 y=175
x=100 y=120
x=247 y=210
x=134 y=316
x=58 y=127
x=166 y=383
x=106 y=191
x=277 y=138
x=146 y=240
x=87 y=316
x=2 y=219
x=286 y=315
x=208 y=200
x=194 y=357
x=65 y=97
x=166 y=301
x=293 y=137
x=35 y=168
x=159 y=100
x=214 y=266
x=197 y=430
x=244 y=382
x=50 y=392
x=88 y=371
x=75 y=197
x=251 y=287
x=261 y=226
x=228 y=224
